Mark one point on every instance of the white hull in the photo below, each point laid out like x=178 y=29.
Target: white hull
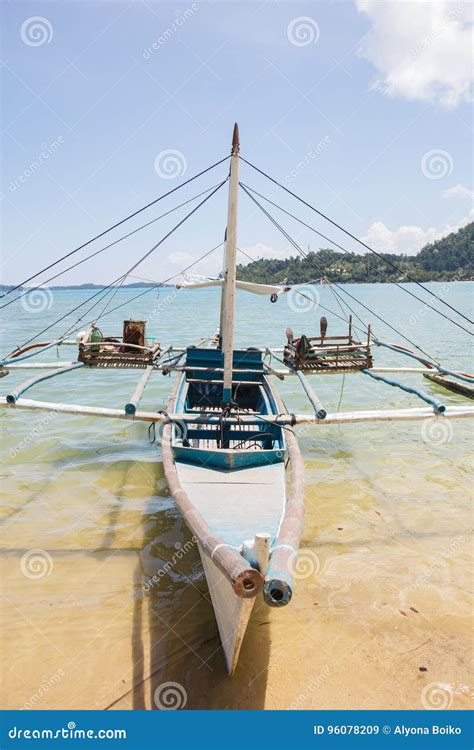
x=232 y=612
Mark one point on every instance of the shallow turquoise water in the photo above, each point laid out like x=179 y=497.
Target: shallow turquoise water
x=385 y=502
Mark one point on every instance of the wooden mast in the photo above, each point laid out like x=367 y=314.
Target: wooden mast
x=228 y=289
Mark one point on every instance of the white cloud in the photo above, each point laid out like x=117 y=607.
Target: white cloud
x=408 y=239
x=180 y=256
x=459 y=191
x=422 y=49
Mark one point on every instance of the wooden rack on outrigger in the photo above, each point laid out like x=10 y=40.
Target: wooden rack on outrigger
x=129 y=350
x=325 y=354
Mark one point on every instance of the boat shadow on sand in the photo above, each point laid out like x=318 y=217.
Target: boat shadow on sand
x=178 y=660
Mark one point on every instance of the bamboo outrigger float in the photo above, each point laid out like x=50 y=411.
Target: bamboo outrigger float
x=226 y=430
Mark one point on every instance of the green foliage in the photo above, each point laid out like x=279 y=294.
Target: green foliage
x=446 y=259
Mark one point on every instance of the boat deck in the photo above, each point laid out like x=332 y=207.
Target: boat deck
x=237 y=504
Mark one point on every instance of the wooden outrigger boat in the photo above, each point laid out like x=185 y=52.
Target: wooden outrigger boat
x=230 y=454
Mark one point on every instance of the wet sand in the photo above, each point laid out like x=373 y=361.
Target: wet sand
x=380 y=617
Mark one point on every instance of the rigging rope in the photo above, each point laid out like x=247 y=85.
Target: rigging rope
x=102 y=249
x=162 y=283
x=310 y=260
x=352 y=236
x=132 y=268
x=354 y=255
x=114 y=226
x=301 y=251
x=305 y=296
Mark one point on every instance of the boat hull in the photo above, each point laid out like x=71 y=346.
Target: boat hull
x=239 y=493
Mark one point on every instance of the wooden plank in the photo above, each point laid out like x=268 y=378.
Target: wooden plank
x=451 y=385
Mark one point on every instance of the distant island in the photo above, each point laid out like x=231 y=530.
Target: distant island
x=448 y=259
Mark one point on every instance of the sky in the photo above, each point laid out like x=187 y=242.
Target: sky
x=362 y=108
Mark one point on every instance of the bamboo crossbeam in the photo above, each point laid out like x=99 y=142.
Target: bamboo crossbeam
x=166 y=367
x=132 y=405
x=460 y=375
x=339 y=418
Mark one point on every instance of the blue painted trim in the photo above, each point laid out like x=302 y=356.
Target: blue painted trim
x=438 y=406
x=419 y=359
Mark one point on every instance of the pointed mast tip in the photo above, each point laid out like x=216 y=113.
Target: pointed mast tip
x=235 y=140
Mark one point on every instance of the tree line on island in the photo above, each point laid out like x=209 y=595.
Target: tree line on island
x=448 y=259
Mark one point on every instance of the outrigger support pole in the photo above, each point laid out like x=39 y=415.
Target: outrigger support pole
x=319 y=409
x=132 y=405
x=438 y=406
x=13 y=397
